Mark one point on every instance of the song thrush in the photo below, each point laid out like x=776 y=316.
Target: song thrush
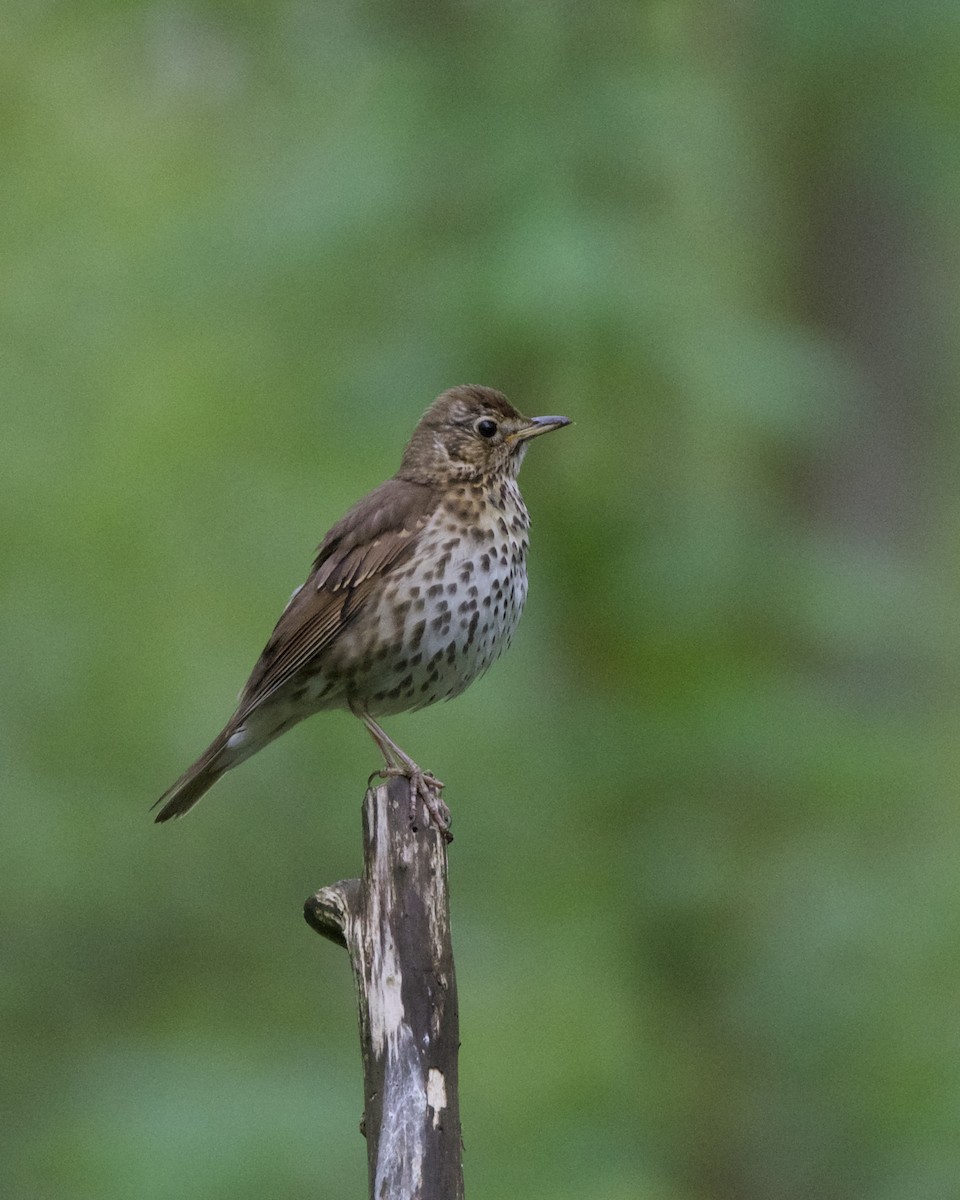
x=412 y=596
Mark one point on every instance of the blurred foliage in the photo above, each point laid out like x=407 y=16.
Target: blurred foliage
x=707 y=911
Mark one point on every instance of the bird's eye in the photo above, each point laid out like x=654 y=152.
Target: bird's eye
x=486 y=428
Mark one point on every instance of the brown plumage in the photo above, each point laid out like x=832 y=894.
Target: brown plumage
x=412 y=595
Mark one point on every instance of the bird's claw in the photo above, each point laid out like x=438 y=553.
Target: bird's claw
x=425 y=788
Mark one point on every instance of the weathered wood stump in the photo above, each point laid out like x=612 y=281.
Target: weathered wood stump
x=395 y=923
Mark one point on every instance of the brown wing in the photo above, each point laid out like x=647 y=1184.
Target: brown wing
x=377 y=534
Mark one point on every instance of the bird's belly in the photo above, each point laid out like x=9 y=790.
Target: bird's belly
x=438 y=627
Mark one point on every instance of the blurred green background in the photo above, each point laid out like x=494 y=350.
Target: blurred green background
x=705 y=882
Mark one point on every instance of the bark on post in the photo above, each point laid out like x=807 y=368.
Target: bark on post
x=395 y=923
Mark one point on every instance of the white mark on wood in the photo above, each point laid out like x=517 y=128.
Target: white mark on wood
x=436 y=1094
x=386 y=981
x=386 y=1002
x=400 y=1152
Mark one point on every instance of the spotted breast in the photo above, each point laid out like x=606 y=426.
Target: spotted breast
x=447 y=615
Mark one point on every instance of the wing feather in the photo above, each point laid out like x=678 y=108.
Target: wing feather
x=378 y=534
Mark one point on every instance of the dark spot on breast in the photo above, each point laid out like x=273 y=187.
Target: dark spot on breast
x=451 y=589
x=452 y=544
x=485 y=561
x=434 y=590
x=416 y=633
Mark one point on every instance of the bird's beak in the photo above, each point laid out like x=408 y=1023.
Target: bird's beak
x=537 y=425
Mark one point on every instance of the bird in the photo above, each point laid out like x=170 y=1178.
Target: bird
x=413 y=594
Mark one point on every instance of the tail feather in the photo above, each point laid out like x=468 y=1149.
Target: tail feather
x=196 y=781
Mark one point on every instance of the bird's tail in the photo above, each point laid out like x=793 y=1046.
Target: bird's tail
x=197 y=780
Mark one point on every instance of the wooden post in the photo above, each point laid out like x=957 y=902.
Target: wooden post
x=395 y=923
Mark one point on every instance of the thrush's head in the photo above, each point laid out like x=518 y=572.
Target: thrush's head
x=470 y=433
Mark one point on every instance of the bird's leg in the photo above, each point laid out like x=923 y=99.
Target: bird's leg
x=424 y=786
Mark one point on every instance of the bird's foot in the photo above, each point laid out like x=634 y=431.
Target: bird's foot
x=425 y=789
